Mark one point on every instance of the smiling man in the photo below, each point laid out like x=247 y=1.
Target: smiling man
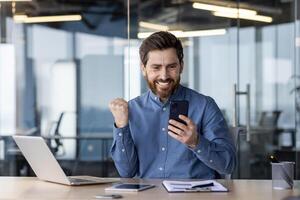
x=149 y=145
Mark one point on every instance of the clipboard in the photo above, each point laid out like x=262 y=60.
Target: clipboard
x=194 y=186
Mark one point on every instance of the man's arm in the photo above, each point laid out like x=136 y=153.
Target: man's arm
x=123 y=150
x=218 y=154
x=214 y=146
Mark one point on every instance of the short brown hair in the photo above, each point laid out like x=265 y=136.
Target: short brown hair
x=160 y=41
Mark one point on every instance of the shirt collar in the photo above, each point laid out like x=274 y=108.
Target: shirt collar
x=177 y=95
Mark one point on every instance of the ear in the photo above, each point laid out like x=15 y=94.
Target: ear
x=181 y=67
x=143 y=69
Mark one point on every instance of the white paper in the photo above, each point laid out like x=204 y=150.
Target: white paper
x=186 y=186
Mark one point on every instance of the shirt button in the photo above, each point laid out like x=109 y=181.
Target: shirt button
x=123 y=150
x=198 y=151
x=120 y=134
x=210 y=161
x=163 y=129
x=160 y=168
x=155 y=98
x=164 y=109
x=163 y=148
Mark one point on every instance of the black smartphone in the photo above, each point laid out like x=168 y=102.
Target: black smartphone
x=179 y=108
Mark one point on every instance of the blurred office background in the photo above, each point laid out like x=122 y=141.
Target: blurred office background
x=62 y=61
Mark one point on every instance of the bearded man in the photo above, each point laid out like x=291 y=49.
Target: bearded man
x=147 y=144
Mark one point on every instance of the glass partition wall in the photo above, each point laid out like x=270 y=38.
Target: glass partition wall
x=266 y=72
x=296 y=84
x=61 y=62
x=57 y=78
x=243 y=54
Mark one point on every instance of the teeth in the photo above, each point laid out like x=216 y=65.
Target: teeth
x=163 y=84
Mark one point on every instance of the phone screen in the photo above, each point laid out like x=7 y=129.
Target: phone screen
x=179 y=108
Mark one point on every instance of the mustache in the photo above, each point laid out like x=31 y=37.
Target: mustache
x=165 y=80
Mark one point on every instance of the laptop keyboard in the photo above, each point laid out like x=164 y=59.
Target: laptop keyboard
x=79 y=180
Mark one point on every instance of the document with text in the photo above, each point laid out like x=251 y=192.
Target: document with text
x=194 y=186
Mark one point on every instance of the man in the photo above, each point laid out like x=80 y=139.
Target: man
x=149 y=145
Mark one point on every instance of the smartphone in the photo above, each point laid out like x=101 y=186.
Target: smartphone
x=129 y=187
x=179 y=108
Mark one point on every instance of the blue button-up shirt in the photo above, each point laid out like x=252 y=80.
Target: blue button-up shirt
x=143 y=148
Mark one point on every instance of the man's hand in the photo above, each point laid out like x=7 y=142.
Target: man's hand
x=187 y=134
x=119 y=109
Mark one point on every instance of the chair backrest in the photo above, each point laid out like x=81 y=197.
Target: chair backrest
x=235 y=132
x=269 y=118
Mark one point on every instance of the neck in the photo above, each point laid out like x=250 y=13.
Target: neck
x=164 y=100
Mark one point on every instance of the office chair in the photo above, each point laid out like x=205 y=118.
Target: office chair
x=269 y=119
x=53 y=130
x=235 y=132
x=56 y=133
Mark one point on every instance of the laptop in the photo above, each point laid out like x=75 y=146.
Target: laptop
x=46 y=167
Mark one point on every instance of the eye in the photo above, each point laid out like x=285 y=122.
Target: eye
x=172 y=66
x=154 y=67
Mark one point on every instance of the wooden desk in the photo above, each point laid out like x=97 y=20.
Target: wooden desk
x=31 y=188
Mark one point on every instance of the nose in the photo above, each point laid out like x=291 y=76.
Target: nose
x=164 y=73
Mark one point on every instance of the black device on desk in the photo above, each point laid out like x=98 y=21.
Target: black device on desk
x=130 y=187
x=179 y=108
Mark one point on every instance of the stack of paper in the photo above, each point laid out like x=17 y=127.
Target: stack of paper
x=194 y=186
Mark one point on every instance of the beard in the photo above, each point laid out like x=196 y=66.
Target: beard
x=165 y=92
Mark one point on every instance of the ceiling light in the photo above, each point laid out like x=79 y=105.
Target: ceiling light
x=260 y=18
x=20 y=17
x=182 y=34
x=215 y=8
x=41 y=19
x=222 y=11
x=158 y=27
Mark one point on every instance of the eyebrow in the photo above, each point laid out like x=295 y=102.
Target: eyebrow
x=155 y=65
x=175 y=63
x=158 y=65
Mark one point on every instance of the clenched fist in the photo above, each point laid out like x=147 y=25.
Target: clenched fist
x=119 y=109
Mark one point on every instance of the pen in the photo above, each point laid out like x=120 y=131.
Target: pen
x=203 y=185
